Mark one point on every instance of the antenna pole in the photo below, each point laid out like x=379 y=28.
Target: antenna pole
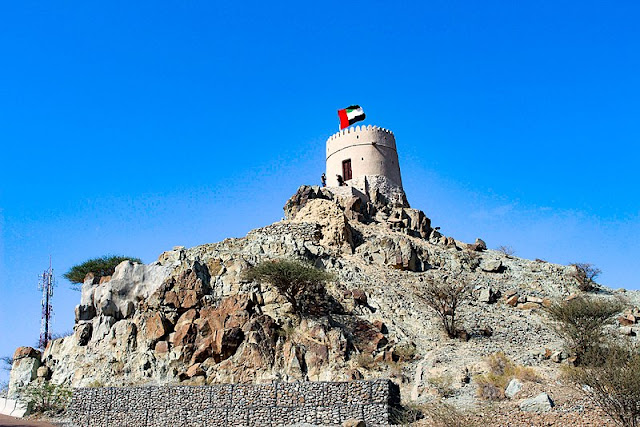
x=46 y=286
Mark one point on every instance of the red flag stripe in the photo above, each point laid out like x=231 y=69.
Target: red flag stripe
x=344 y=121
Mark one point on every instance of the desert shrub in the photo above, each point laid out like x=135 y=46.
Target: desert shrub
x=506 y=250
x=502 y=370
x=445 y=298
x=405 y=351
x=7 y=362
x=441 y=414
x=406 y=414
x=103 y=266
x=443 y=384
x=95 y=384
x=365 y=361
x=585 y=275
x=580 y=322
x=615 y=384
x=299 y=282
x=46 y=396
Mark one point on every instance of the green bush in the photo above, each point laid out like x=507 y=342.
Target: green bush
x=103 y=266
x=580 y=321
x=46 y=396
x=613 y=385
x=295 y=280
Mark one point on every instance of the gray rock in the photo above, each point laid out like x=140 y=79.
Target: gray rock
x=85 y=312
x=540 y=403
x=491 y=265
x=83 y=333
x=514 y=387
x=23 y=371
x=486 y=295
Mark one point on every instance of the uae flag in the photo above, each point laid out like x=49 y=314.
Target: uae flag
x=350 y=115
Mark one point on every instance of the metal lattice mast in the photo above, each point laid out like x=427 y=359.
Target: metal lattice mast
x=46 y=284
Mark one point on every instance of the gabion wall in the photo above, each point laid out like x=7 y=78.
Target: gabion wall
x=277 y=404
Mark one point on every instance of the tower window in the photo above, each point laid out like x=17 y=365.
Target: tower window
x=346 y=169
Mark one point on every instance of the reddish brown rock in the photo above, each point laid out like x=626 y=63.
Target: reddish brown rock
x=22 y=352
x=379 y=324
x=154 y=326
x=359 y=296
x=225 y=343
x=194 y=371
x=162 y=347
x=185 y=334
x=171 y=299
x=367 y=338
x=528 y=306
x=627 y=320
x=104 y=279
x=203 y=350
x=512 y=300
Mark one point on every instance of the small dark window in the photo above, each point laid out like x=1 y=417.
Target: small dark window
x=346 y=169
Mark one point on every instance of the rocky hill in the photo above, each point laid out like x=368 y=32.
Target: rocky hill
x=191 y=318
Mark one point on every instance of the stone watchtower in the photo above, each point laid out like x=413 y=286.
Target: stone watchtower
x=366 y=158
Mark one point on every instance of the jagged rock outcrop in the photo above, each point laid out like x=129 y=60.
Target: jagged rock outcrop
x=190 y=317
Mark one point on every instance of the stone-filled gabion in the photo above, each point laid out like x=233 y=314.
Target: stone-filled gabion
x=277 y=404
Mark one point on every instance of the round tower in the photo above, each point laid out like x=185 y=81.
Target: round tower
x=361 y=151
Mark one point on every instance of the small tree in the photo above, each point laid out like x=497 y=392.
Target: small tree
x=103 y=266
x=46 y=396
x=615 y=384
x=580 y=321
x=7 y=362
x=293 y=279
x=444 y=298
x=506 y=250
x=586 y=275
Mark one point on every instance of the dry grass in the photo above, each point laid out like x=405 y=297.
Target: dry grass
x=491 y=385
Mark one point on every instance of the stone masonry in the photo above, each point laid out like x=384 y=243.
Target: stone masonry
x=276 y=404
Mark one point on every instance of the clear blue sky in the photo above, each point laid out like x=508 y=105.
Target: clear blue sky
x=132 y=127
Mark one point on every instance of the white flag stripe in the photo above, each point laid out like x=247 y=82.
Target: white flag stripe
x=354 y=113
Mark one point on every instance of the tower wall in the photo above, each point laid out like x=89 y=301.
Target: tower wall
x=371 y=149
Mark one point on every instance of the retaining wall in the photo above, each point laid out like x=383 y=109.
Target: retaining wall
x=277 y=404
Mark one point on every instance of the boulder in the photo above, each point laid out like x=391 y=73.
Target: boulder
x=491 y=265
x=153 y=327
x=42 y=372
x=487 y=295
x=26 y=361
x=512 y=300
x=162 y=347
x=540 y=403
x=84 y=312
x=514 y=387
x=194 y=371
x=359 y=296
x=83 y=333
x=528 y=306
x=627 y=320
x=22 y=352
x=478 y=246
x=352 y=422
